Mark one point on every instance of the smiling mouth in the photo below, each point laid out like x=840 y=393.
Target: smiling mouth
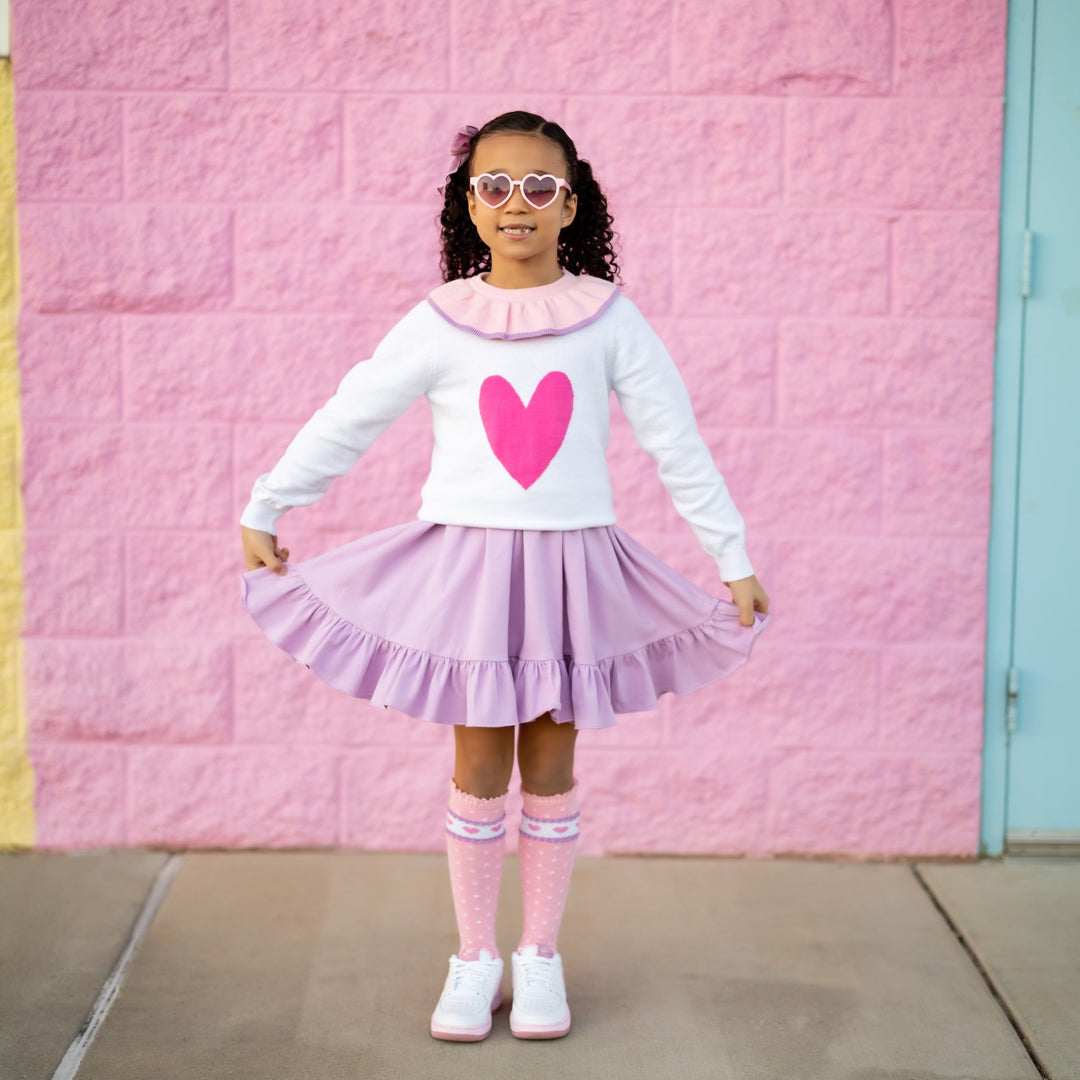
x=517 y=230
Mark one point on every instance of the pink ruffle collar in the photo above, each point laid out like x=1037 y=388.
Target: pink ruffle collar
x=559 y=308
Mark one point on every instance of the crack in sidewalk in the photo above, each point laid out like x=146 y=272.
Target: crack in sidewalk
x=987 y=979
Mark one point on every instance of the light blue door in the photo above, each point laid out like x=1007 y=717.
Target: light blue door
x=1042 y=679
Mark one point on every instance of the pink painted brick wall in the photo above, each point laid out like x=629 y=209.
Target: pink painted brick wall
x=212 y=232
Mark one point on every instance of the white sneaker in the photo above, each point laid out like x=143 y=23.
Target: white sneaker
x=540 y=1010
x=471 y=994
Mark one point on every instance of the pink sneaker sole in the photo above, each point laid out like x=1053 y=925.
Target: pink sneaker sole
x=539 y=1031
x=476 y=1034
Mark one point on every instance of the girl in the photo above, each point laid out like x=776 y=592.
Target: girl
x=512 y=604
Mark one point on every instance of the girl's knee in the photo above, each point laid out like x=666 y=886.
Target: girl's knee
x=547 y=781
x=482 y=780
x=546 y=757
x=484 y=760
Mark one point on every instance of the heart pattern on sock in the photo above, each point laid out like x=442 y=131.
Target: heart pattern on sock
x=560 y=829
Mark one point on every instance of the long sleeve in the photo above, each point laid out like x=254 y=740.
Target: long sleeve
x=654 y=398
x=371 y=396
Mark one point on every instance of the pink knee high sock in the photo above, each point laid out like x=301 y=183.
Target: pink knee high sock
x=475 y=842
x=549 y=831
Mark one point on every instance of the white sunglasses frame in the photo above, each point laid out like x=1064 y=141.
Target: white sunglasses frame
x=560 y=182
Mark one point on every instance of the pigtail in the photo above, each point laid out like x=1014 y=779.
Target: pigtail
x=464 y=254
x=586 y=245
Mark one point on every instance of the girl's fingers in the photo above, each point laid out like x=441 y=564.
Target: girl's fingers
x=261 y=549
x=748 y=601
x=271 y=560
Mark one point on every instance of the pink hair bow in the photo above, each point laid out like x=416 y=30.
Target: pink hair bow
x=459 y=148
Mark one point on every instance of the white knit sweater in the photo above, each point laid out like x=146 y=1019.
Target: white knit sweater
x=521 y=426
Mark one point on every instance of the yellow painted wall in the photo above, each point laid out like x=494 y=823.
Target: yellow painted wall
x=16 y=777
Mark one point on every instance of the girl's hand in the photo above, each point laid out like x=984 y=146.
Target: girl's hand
x=748 y=594
x=260 y=549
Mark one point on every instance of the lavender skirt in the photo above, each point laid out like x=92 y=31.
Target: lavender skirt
x=492 y=627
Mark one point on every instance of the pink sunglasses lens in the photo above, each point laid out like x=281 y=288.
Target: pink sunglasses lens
x=494 y=190
x=540 y=190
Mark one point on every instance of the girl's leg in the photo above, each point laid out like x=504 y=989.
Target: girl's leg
x=475 y=841
x=476 y=833
x=549 y=828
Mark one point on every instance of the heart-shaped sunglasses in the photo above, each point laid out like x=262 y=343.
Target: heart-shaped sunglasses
x=494 y=189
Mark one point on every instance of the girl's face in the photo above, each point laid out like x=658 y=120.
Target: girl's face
x=524 y=241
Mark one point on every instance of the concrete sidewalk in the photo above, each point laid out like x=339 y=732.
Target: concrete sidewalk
x=290 y=965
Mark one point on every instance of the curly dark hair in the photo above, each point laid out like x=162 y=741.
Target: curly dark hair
x=585 y=245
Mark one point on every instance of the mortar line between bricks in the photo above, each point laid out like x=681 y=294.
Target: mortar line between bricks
x=125 y=759
x=871 y=750
x=673 y=33
x=890 y=277
x=110 y=990
x=227 y=89
x=785 y=143
x=230 y=22
x=451 y=49
x=344 y=202
x=125 y=180
x=343 y=803
x=987 y=979
x=775 y=420
x=894 y=51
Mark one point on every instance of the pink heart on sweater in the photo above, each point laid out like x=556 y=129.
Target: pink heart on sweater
x=534 y=826
x=561 y=828
x=469 y=829
x=526 y=437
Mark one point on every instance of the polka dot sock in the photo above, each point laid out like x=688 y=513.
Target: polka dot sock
x=475 y=842
x=549 y=832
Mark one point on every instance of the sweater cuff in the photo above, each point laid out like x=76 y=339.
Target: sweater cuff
x=734 y=566
x=260 y=516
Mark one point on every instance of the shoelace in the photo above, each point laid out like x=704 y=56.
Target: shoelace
x=470 y=976
x=535 y=972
